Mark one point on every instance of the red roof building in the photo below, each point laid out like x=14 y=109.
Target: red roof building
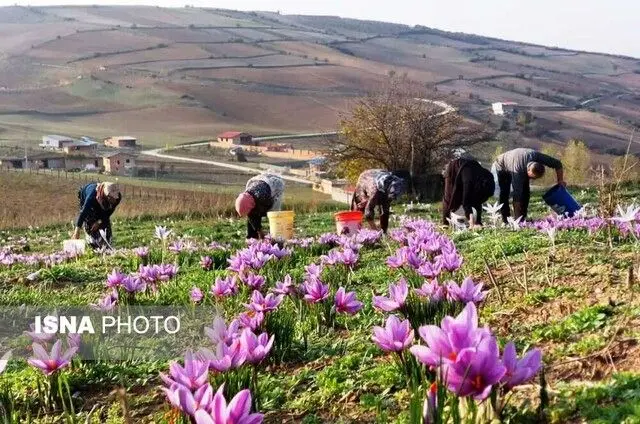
x=235 y=137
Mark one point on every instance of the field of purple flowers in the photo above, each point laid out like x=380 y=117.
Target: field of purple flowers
x=528 y=323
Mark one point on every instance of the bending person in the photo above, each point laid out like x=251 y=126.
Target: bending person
x=98 y=201
x=516 y=168
x=262 y=194
x=466 y=184
x=377 y=187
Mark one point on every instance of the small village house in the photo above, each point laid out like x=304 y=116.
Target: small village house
x=56 y=142
x=41 y=160
x=235 y=138
x=81 y=147
x=118 y=163
x=123 y=141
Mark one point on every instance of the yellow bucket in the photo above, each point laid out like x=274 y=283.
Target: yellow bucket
x=281 y=224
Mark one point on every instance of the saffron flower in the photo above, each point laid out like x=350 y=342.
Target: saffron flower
x=190 y=402
x=628 y=215
x=397 y=297
x=396 y=335
x=315 y=291
x=162 y=233
x=256 y=347
x=476 y=370
x=348 y=257
x=220 y=333
x=40 y=338
x=312 y=271
x=445 y=343
x=467 y=292
x=432 y=291
x=519 y=371
x=206 y=263
x=346 y=302
x=251 y=319
x=225 y=357
x=285 y=287
x=449 y=261
x=224 y=287
x=429 y=269
x=193 y=375
x=429 y=410
x=254 y=281
x=196 y=295
x=134 y=285
x=49 y=363
x=260 y=303
x=238 y=411
x=107 y=303
x=141 y=252
x=115 y=279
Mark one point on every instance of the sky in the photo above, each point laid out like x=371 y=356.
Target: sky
x=609 y=26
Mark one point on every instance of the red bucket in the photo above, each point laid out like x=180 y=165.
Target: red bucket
x=348 y=222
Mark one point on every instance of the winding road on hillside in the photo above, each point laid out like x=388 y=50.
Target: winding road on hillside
x=161 y=152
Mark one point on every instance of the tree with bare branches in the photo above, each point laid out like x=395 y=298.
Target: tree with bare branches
x=399 y=128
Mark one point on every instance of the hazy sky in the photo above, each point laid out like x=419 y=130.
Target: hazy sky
x=599 y=25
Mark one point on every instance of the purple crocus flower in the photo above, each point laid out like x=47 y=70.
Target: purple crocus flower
x=346 y=302
x=315 y=291
x=467 y=292
x=74 y=340
x=196 y=295
x=455 y=335
x=519 y=371
x=251 y=319
x=432 y=291
x=192 y=376
x=106 y=303
x=368 y=237
x=332 y=258
x=224 y=287
x=476 y=370
x=256 y=347
x=115 y=279
x=206 y=263
x=312 y=271
x=399 y=259
x=285 y=286
x=134 y=284
x=260 y=303
x=167 y=271
x=141 y=252
x=162 y=233
x=190 y=402
x=449 y=261
x=430 y=270
x=41 y=338
x=397 y=297
x=237 y=412
x=49 y=363
x=349 y=258
x=225 y=356
x=220 y=333
x=329 y=239
x=396 y=335
x=253 y=281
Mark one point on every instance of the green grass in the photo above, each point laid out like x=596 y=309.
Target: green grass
x=341 y=376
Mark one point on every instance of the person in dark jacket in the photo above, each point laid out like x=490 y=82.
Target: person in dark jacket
x=98 y=201
x=466 y=184
x=378 y=188
x=516 y=168
x=263 y=193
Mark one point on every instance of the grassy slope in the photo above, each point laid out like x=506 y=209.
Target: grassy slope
x=573 y=303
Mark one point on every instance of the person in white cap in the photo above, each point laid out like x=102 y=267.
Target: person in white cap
x=98 y=201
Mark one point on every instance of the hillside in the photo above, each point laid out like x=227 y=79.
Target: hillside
x=176 y=75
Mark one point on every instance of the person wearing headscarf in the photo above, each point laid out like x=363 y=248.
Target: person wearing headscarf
x=377 y=188
x=263 y=193
x=98 y=201
x=516 y=168
x=468 y=185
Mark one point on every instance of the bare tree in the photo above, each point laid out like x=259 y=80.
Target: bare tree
x=398 y=128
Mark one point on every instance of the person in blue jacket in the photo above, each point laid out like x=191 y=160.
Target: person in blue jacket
x=98 y=201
